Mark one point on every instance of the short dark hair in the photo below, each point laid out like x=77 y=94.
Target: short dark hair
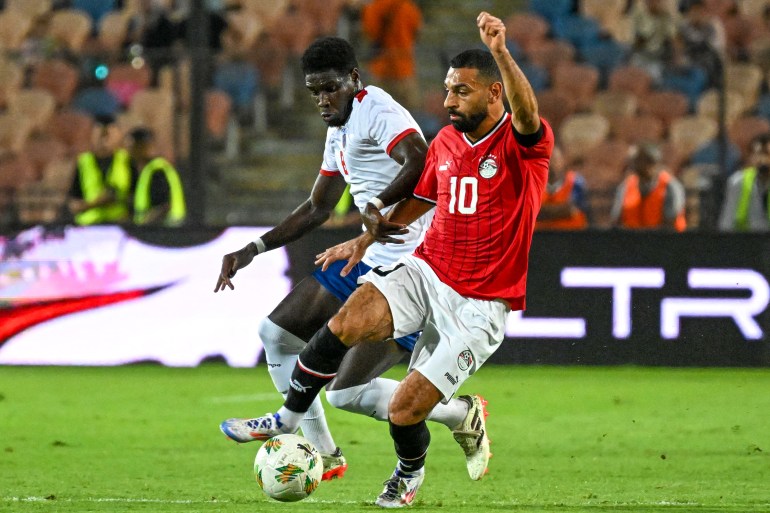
x=141 y=135
x=329 y=53
x=480 y=60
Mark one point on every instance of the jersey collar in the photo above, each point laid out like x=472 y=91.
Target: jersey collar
x=494 y=129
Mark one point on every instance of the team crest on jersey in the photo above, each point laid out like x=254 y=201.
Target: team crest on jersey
x=488 y=167
x=465 y=360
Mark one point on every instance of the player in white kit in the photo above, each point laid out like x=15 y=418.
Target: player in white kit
x=374 y=145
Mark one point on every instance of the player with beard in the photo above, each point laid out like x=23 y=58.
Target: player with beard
x=485 y=176
x=374 y=145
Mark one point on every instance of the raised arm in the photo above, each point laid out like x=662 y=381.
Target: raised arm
x=308 y=216
x=518 y=91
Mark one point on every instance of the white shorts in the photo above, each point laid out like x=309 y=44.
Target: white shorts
x=459 y=333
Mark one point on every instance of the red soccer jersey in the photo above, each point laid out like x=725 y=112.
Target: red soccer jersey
x=487 y=196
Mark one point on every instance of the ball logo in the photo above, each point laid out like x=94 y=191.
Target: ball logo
x=465 y=360
x=488 y=167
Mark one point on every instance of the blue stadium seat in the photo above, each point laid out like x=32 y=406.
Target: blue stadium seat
x=238 y=79
x=581 y=32
x=552 y=10
x=95 y=8
x=606 y=55
x=691 y=81
x=96 y=101
x=709 y=154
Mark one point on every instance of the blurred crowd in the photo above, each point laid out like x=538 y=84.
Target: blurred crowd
x=631 y=87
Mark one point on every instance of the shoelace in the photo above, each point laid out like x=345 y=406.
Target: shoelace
x=260 y=423
x=391 y=488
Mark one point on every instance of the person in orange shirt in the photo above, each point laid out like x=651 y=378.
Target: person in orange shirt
x=392 y=27
x=564 y=197
x=650 y=197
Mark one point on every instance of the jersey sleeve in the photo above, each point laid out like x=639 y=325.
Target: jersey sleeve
x=427 y=187
x=389 y=125
x=541 y=149
x=329 y=164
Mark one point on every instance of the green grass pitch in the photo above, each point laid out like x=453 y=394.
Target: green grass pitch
x=574 y=440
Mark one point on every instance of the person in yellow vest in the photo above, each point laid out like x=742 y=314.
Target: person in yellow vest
x=649 y=197
x=102 y=184
x=564 y=197
x=158 y=193
x=746 y=207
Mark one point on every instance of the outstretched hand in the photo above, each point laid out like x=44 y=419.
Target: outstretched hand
x=381 y=229
x=491 y=30
x=352 y=250
x=231 y=262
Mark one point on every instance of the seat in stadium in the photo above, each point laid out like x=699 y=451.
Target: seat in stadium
x=615 y=104
x=579 y=80
x=606 y=55
x=630 y=78
x=73 y=128
x=96 y=101
x=581 y=32
x=687 y=134
x=555 y=106
x=11 y=80
x=113 y=29
x=550 y=53
x=551 y=10
x=43 y=148
x=14 y=130
x=37 y=105
x=638 y=129
x=58 y=77
x=745 y=79
x=96 y=9
x=14 y=27
x=604 y=164
x=708 y=105
x=665 y=105
x=526 y=29
x=581 y=132
x=606 y=12
x=32 y=9
x=70 y=27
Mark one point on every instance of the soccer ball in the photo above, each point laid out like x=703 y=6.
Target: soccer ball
x=288 y=468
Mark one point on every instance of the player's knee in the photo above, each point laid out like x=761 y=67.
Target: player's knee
x=345 y=327
x=345 y=399
x=266 y=332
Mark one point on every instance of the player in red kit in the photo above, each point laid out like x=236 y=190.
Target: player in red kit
x=485 y=176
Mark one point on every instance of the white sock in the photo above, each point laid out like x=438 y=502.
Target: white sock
x=315 y=428
x=450 y=414
x=372 y=400
x=281 y=352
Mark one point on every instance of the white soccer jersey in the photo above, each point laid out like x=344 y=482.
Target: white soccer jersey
x=360 y=152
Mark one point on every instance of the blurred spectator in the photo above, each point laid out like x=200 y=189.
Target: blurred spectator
x=654 y=28
x=153 y=30
x=747 y=206
x=158 y=194
x=649 y=197
x=701 y=40
x=392 y=27
x=100 y=190
x=564 y=203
